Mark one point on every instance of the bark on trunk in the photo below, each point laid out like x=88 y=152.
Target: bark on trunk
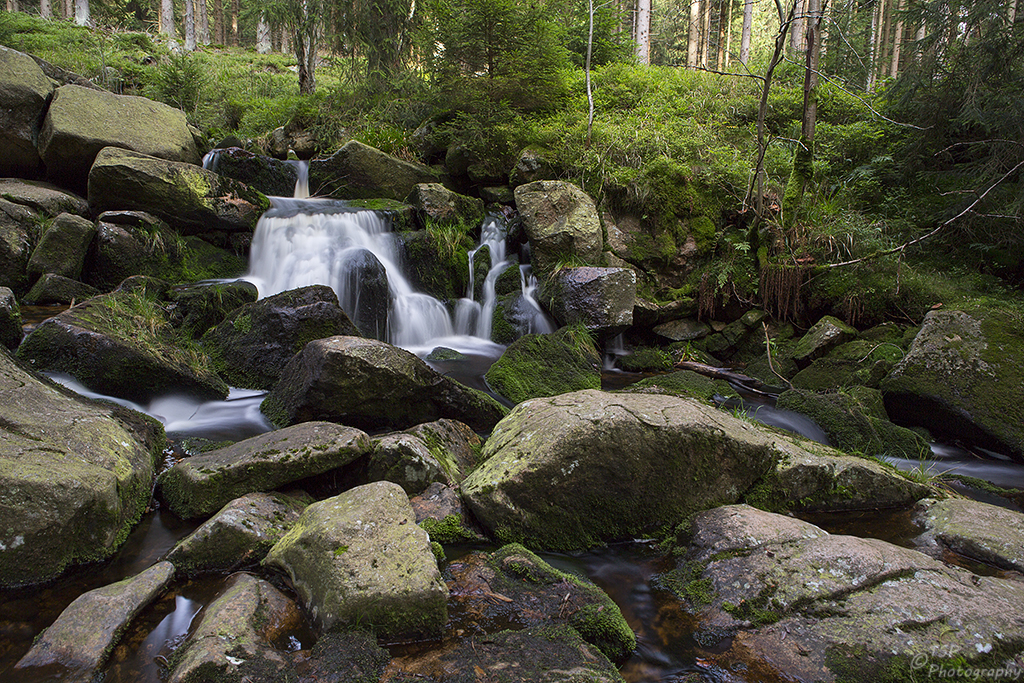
x=643 y=31
x=693 y=40
x=748 y=20
x=167 y=19
x=190 y=25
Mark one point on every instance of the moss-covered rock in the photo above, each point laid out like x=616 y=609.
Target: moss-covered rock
x=372 y=385
x=42 y=198
x=268 y=175
x=192 y=200
x=235 y=637
x=546 y=365
x=81 y=121
x=56 y=289
x=121 y=344
x=239 y=535
x=561 y=222
x=76 y=475
x=684 y=384
x=600 y=299
x=359 y=560
x=201 y=485
x=407 y=461
x=62 y=247
x=10 y=319
x=19 y=229
x=855 y=426
x=198 y=307
x=252 y=346
x=575 y=470
x=534 y=594
x=85 y=633
x=439 y=208
x=25 y=93
x=358 y=171
x=437 y=261
x=824 y=335
x=962 y=377
x=993 y=535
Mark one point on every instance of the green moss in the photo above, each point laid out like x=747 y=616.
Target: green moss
x=646 y=359
x=449 y=530
x=688 y=584
x=242 y=323
x=546 y=365
x=759 y=611
x=684 y=383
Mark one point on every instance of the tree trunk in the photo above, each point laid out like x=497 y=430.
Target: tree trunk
x=693 y=40
x=45 y=10
x=12 y=6
x=643 y=31
x=590 y=93
x=885 y=42
x=286 y=44
x=204 y=23
x=167 y=18
x=263 y=36
x=82 y=17
x=190 y=25
x=796 y=31
x=69 y=9
x=748 y=20
x=873 y=44
x=803 y=163
x=723 y=32
x=218 y=22
x=897 y=43
x=233 y=38
x=705 y=33
x=1011 y=13
x=728 y=33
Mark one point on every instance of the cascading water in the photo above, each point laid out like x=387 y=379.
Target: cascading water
x=302 y=242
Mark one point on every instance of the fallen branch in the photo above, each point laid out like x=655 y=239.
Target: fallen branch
x=749 y=383
x=941 y=226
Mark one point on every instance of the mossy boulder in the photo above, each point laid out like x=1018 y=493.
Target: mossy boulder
x=198 y=307
x=201 y=485
x=84 y=635
x=437 y=262
x=192 y=200
x=809 y=476
x=19 y=229
x=538 y=365
x=121 y=344
x=268 y=175
x=987 y=533
x=10 y=319
x=439 y=208
x=786 y=598
x=81 y=121
x=576 y=470
x=372 y=385
x=358 y=171
x=236 y=636
x=76 y=475
x=238 y=536
x=543 y=654
x=440 y=451
x=962 y=377
x=62 y=248
x=600 y=299
x=25 y=92
x=252 y=346
x=532 y=165
x=848 y=420
x=56 y=289
x=860 y=362
x=561 y=222
x=684 y=384
x=129 y=243
x=824 y=335
x=43 y=198
x=359 y=560
x=534 y=594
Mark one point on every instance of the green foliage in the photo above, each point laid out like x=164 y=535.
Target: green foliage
x=180 y=81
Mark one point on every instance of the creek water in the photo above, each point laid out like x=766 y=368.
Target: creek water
x=302 y=241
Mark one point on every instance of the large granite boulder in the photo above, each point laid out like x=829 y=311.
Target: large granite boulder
x=988 y=533
x=192 y=200
x=963 y=377
x=824 y=335
x=561 y=222
x=62 y=248
x=575 y=470
x=268 y=175
x=121 y=344
x=439 y=452
x=10 y=319
x=129 y=243
x=252 y=346
x=601 y=299
x=439 y=207
x=368 y=384
x=41 y=197
x=358 y=171
x=17 y=225
x=80 y=122
x=534 y=593
x=24 y=94
x=238 y=536
x=235 y=637
x=539 y=365
x=798 y=603
x=201 y=485
x=85 y=633
x=53 y=289
x=359 y=559
x=76 y=475
x=199 y=306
